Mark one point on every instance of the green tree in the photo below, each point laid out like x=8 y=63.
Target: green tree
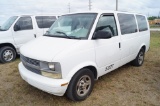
x=152 y=18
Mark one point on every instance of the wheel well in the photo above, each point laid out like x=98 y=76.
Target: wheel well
x=93 y=69
x=7 y=44
x=144 y=47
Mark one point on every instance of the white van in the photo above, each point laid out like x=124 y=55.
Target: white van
x=81 y=47
x=18 y=30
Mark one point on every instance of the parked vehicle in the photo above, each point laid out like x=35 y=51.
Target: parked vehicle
x=18 y=30
x=81 y=47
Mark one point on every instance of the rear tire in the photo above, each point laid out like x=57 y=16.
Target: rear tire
x=81 y=85
x=7 y=54
x=138 y=61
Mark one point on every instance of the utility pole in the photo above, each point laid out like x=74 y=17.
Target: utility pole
x=90 y=5
x=116 y=5
x=69 y=7
x=159 y=15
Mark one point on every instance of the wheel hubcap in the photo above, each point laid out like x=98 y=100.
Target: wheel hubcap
x=83 y=85
x=8 y=55
x=141 y=57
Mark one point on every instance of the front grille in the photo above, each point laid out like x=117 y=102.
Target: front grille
x=32 y=69
x=30 y=61
x=30 y=64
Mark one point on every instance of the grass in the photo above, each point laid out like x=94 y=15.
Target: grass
x=155 y=26
x=128 y=85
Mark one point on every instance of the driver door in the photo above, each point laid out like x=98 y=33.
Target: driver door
x=107 y=50
x=23 y=31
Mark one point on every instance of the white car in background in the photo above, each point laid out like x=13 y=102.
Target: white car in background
x=18 y=30
x=81 y=47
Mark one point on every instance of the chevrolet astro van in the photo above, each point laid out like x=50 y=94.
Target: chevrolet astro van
x=18 y=30
x=80 y=47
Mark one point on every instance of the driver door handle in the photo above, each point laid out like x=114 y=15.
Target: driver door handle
x=35 y=35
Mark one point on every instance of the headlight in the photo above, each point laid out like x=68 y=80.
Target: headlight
x=51 y=69
x=51 y=66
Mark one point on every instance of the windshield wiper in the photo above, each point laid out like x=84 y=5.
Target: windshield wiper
x=63 y=34
x=46 y=35
x=70 y=37
x=73 y=37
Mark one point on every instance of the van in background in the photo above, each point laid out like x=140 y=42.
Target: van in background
x=18 y=30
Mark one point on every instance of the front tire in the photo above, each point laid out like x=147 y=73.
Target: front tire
x=7 y=54
x=138 y=61
x=81 y=85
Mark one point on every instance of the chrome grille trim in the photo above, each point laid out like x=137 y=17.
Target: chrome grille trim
x=30 y=65
x=30 y=61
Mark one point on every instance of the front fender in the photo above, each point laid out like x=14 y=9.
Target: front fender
x=78 y=67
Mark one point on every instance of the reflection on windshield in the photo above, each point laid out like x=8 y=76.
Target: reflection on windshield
x=74 y=26
x=8 y=23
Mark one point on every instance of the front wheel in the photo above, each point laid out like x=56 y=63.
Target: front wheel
x=7 y=54
x=81 y=85
x=138 y=61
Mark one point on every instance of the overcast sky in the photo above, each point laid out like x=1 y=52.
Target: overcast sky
x=14 y=7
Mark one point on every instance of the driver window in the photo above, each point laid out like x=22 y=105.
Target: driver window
x=24 y=23
x=107 y=23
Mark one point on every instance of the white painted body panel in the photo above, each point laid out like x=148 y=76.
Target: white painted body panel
x=43 y=44
x=6 y=37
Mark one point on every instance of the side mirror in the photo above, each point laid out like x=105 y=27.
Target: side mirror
x=16 y=28
x=102 y=35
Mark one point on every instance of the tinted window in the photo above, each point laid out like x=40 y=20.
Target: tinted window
x=73 y=26
x=24 y=23
x=107 y=23
x=45 y=21
x=142 y=23
x=127 y=23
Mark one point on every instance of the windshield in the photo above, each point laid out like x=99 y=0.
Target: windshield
x=8 y=23
x=74 y=26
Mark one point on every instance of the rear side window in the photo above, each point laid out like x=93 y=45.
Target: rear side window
x=142 y=23
x=45 y=21
x=127 y=23
x=24 y=23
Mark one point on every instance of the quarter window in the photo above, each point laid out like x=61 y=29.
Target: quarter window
x=142 y=23
x=24 y=23
x=127 y=23
x=107 y=23
x=45 y=21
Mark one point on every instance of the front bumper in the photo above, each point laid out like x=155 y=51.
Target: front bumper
x=52 y=86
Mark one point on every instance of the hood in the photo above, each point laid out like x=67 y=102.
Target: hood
x=5 y=33
x=46 y=48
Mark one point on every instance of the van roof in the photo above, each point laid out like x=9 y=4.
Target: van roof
x=104 y=11
x=38 y=15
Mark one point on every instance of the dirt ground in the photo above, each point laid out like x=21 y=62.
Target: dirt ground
x=126 y=86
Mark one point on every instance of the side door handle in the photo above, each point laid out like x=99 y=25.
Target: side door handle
x=35 y=35
x=119 y=45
